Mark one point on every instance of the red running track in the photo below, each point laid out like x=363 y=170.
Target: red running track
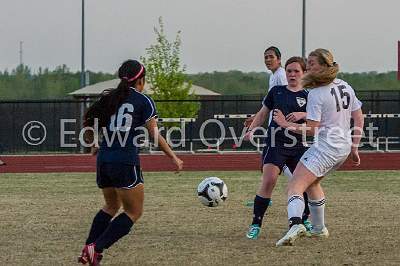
x=193 y=162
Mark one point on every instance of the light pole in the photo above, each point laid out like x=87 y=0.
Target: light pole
x=83 y=46
x=82 y=103
x=21 y=62
x=303 y=36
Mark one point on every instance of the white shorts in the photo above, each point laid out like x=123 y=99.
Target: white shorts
x=321 y=163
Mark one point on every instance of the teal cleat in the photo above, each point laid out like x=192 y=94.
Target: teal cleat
x=307 y=224
x=323 y=233
x=254 y=231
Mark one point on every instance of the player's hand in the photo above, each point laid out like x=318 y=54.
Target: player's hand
x=178 y=162
x=249 y=135
x=248 y=121
x=94 y=150
x=279 y=118
x=355 y=157
x=295 y=116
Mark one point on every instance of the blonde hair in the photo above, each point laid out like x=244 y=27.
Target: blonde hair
x=326 y=75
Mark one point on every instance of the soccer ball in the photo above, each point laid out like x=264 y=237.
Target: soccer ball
x=212 y=191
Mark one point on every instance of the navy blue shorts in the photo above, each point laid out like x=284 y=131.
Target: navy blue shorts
x=281 y=156
x=118 y=175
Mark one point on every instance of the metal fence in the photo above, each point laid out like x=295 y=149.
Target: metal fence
x=15 y=115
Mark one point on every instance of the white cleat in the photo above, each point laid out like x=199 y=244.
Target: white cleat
x=324 y=233
x=295 y=232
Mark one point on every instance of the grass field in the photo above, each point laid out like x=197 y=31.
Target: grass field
x=45 y=219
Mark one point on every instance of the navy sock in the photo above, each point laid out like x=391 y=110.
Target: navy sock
x=295 y=220
x=118 y=228
x=99 y=225
x=306 y=212
x=260 y=207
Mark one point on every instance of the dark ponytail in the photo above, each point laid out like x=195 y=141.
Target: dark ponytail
x=111 y=99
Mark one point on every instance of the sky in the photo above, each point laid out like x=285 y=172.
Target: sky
x=217 y=35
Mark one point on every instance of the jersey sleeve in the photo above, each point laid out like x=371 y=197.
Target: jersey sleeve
x=356 y=104
x=281 y=79
x=149 y=109
x=268 y=100
x=314 y=107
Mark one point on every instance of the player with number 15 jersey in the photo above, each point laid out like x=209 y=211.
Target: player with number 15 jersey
x=332 y=105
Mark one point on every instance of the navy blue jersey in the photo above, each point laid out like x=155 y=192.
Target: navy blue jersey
x=120 y=140
x=280 y=97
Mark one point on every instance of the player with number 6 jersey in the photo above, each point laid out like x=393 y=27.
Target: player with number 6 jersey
x=121 y=114
x=120 y=140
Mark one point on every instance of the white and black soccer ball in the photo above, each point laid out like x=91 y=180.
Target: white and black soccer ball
x=212 y=191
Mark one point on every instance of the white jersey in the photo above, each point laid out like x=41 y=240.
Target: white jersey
x=278 y=78
x=332 y=105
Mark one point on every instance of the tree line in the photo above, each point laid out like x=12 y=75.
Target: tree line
x=237 y=83
x=23 y=83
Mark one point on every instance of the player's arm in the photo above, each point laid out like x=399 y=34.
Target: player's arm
x=309 y=128
x=262 y=115
x=258 y=121
x=259 y=118
x=358 y=119
x=154 y=133
x=89 y=137
x=248 y=121
x=358 y=127
x=296 y=116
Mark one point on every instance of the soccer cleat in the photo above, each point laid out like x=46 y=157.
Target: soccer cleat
x=296 y=231
x=324 y=233
x=82 y=259
x=89 y=255
x=307 y=224
x=253 y=232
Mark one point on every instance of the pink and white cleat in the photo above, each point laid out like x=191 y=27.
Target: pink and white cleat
x=89 y=255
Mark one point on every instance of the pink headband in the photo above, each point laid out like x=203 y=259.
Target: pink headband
x=137 y=75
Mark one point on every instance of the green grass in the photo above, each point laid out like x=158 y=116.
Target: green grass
x=45 y=219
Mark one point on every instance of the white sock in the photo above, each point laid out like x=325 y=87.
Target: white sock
x=295 y=206
x=317 y=211
x=287 y=172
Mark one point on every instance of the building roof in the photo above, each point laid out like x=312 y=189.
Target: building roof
x=95 y=89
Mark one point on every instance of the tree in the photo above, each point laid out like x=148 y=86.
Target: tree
x=167 y=77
